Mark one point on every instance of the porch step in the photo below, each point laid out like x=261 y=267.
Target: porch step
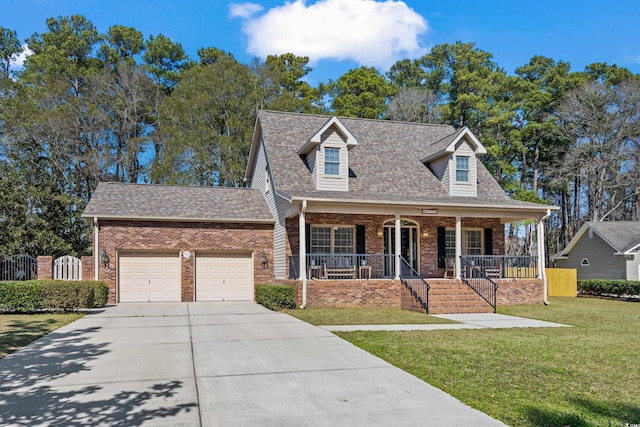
x=452 y=296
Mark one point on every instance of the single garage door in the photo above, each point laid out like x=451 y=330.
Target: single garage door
x=149 y=277
x=224 y=277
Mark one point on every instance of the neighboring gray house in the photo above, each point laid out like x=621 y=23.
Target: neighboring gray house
x=603 y=250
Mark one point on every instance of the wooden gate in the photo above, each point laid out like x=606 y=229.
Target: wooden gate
x=67 y=268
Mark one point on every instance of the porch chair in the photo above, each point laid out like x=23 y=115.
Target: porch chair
x=449 y=268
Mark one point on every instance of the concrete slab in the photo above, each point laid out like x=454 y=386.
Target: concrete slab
x=412 y=327
x=494 y=320
x=157 y=403
x=384 y=396
x=201 y=364
x=279 y=355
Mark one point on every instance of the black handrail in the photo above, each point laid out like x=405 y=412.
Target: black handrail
x=476 y=279
x=416 y=285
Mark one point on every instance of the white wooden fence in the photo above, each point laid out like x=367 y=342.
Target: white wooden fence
x=67 y=268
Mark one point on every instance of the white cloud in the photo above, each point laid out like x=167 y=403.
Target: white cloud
x=243 y=10
x=372 y=33
x=19 y=61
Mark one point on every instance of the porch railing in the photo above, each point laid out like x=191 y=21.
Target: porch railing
x=503 y=266
x=477 y=279
x=344 y=266
x=415 y=284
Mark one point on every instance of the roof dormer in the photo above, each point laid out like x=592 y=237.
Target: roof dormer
x=327 y=155
x=454 y=161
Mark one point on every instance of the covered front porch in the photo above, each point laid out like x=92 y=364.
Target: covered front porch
x=345 y=250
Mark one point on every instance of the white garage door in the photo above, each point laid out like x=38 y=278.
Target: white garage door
x=224 y=277
x=149 y=277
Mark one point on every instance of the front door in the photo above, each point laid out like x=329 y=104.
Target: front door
x=409 y=245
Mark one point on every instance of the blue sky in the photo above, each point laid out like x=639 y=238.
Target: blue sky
x=343 y=34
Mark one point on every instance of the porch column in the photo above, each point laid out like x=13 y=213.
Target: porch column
x=458 y=246
x=96 y=255
x=302 y=260
x=398 y=244
x=541 y=260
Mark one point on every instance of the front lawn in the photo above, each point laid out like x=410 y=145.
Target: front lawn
x=18 y=330
x=588 y=375
x=363 y=316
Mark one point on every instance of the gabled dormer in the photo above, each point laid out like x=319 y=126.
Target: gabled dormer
x=326 y=154
x=454 y=161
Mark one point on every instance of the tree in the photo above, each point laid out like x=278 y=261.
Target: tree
x=208 y=122
x=164 y=59
x=65 y=51
x=361 y=92
x=10 y=48
x=602 y=125
x=121 y=44
x=413 y=104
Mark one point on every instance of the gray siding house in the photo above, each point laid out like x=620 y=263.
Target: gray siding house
x=603 y=250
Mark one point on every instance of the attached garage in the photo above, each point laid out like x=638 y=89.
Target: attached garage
x=149 y=277
x=224 y=277
x=176 y=243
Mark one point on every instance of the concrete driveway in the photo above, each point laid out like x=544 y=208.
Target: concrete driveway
x=212 y=364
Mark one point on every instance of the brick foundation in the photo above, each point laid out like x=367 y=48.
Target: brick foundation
x=116 y=237
x=445 y=296
x=520 y=291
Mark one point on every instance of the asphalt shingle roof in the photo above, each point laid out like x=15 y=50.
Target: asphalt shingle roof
x=621 y=235
x=385 y=165
x=164 y=202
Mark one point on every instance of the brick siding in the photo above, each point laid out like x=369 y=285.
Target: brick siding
x=118 y=236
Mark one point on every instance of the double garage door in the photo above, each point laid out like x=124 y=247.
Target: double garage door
x=156 y=277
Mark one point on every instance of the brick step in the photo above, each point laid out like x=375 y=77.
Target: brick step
x=459 y=309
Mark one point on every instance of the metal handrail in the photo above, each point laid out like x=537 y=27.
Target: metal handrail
x=475 y=277
x=418 y=287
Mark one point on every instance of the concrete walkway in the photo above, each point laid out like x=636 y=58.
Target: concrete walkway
x=212 y=364
x=467 y=321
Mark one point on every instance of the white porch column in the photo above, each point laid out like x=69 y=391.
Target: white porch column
x=96 y=255
x=302 y=252
x=458 y=246
x=302 y=260
x=398 y=247
x=541 y=258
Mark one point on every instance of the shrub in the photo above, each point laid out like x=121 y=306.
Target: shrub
x=609 y=287
x=100 y=294
x=36 y=295
x=276 y=297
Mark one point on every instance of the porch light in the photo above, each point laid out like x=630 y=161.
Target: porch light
x=379 y=232
x=265 y=260
x=104 y=258
x=425 y=233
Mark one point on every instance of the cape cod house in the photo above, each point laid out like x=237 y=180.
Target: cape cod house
x=353 y=212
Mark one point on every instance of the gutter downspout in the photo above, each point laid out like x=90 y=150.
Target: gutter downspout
x=303 y=255
x=541 y=260
x=96 y=262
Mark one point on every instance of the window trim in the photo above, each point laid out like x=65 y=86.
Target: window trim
x=326 y=162
x=467 y=170
x=583 y=263
x=332 y=227
x=464 y=250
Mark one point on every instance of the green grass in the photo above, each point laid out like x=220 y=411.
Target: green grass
x=18 y=330
x=363 y=316
x=587 y=375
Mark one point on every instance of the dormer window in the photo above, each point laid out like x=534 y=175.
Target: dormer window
x=462 y=169
x=331 y=161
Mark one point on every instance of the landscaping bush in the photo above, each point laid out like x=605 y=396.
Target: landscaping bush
x=276 y=297
x=100 y=294
x=609 y=287
x=57 y=295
